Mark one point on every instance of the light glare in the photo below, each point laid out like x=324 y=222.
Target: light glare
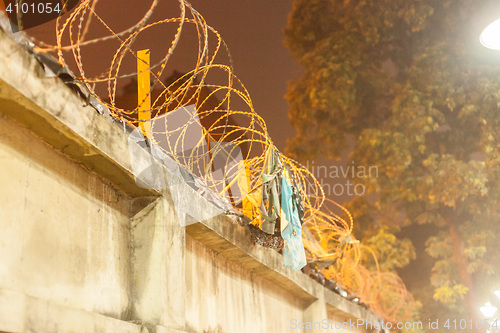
x=488 y=310
x=490 y=37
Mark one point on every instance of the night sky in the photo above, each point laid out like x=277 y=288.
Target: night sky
x=253 y=30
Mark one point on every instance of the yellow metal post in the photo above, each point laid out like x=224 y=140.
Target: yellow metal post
x=247 y=203
x=144 y=92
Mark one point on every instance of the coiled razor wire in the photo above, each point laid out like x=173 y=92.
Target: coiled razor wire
x=327 y=236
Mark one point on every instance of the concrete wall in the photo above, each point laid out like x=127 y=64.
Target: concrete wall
x=233 y=296
x=83 y=249
x=65 y=232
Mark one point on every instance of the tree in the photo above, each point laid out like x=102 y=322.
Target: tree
x=401 y=78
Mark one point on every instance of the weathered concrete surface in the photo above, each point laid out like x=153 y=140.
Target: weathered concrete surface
x=53 y=111
x=233 y=242
x=21 y=313
x=84 y=249
x=60 y=223
x=234 y=299
x=158 y=243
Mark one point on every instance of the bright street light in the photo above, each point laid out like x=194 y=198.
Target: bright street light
x=490 y=37
x=488 y=310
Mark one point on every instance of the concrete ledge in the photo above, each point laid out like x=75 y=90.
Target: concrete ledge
x=233 y=241
x=60 y=118
x=161 y=329
x=222 y=234
x=339 y=306
x=22 y=313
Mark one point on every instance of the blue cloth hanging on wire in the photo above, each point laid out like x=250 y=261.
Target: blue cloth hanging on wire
x=294 y=255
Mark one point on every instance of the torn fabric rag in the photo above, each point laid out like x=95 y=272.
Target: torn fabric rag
x=294 y=255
